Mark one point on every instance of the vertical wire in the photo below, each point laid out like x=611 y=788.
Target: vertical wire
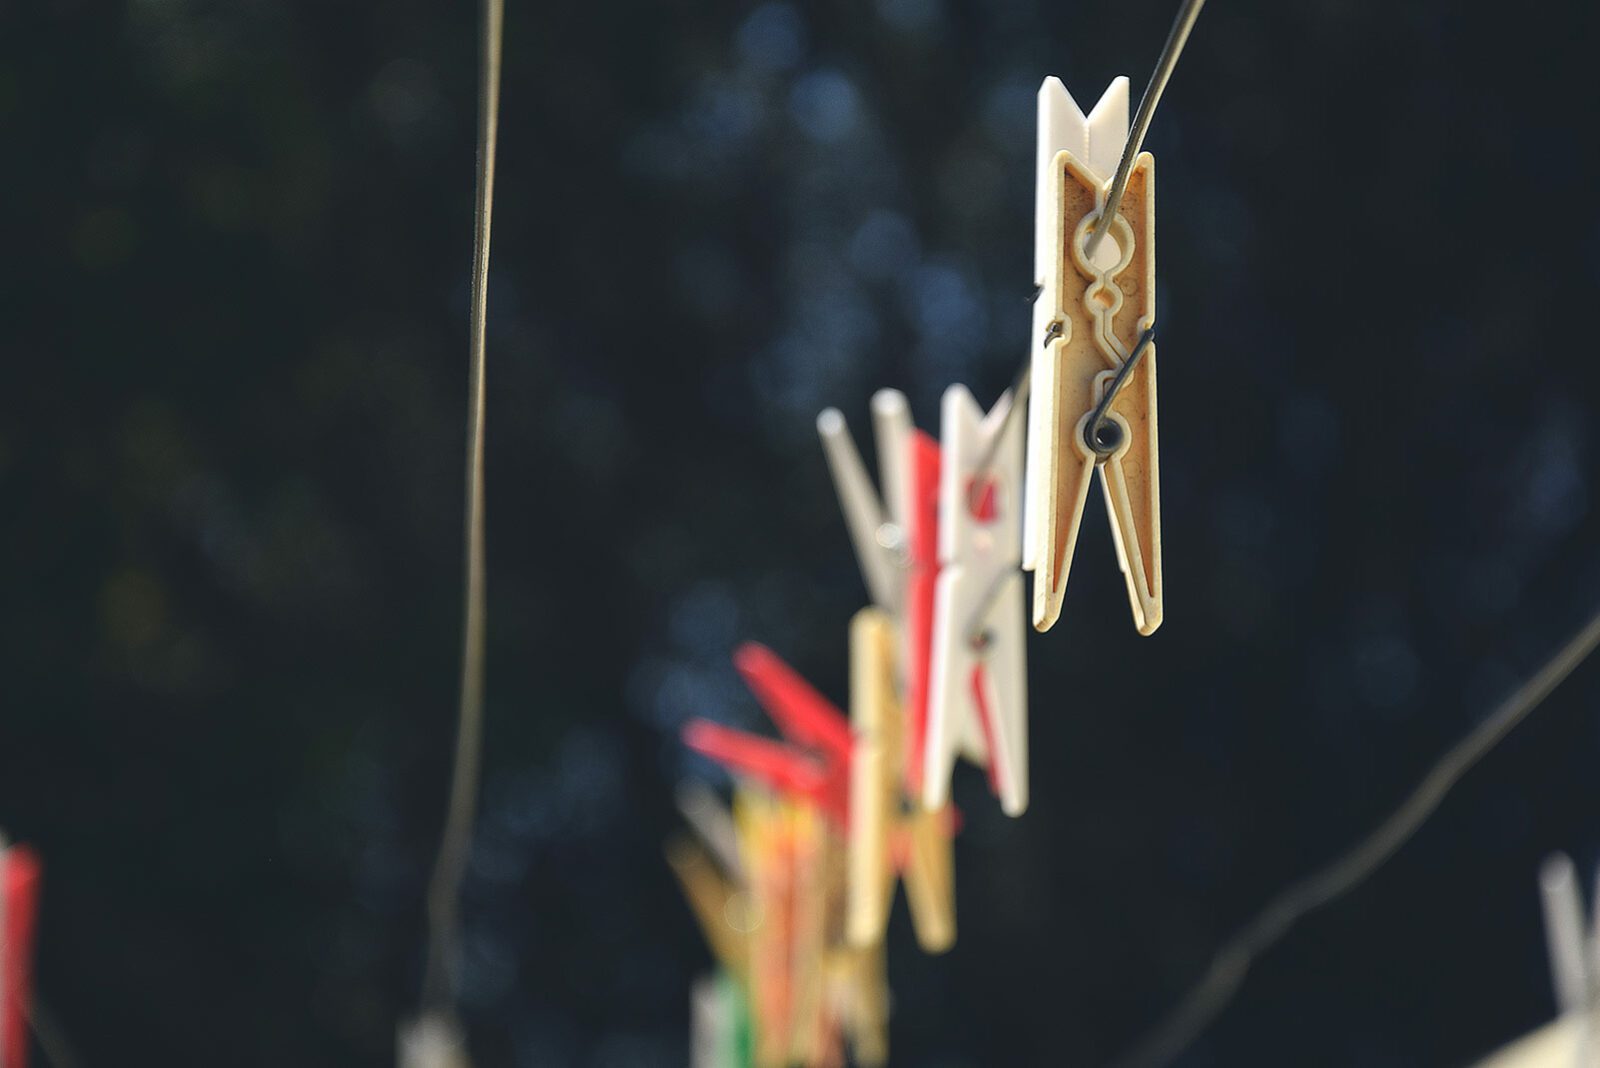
x=444 y=888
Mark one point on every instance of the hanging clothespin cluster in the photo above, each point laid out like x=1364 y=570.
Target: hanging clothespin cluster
x=794 y=886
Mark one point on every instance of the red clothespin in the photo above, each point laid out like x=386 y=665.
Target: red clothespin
x=20 y=874
x=814 y=765
x=922 y=555
x=780 y=767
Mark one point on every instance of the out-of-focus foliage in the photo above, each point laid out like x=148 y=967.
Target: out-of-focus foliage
x=235 y=256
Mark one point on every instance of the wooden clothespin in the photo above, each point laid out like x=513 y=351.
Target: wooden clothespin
x=20 y=877
x=1093 y=329
x=886 y=840
x=979 y=685
x=718 y=898
x=791 y=871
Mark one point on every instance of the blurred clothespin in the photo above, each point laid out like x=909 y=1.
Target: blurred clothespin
x=815 y=767
x=923 y=463
x=431 y=1041
x=1574 y=946
x=877 y=526
x=1093 y=391
x=719 y=1023
x=978 y=698
x=786 y=855
x=888 y=837
x=20 y=876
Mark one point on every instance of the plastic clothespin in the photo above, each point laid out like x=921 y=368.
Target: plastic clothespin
x=1089 y=320
x=884 y=840
x=819 y=772
x=922 y=556
x=978 y=669
x=20 y=876
x=777 y=766
x=876 y=525
x=719 y=1023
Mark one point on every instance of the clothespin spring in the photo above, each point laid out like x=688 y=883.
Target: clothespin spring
x=1102 y=436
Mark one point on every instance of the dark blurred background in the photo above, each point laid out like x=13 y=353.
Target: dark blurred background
x=237 y=238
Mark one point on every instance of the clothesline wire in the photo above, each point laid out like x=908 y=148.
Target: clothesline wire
x=1228 y=968
x=444 y=887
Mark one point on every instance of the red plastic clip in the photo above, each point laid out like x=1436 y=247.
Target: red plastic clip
x=20 y=875
x=922 y=541
x=815 y=767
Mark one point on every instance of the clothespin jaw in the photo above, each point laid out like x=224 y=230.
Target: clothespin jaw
x=715 y=899
x=803 y=714
x=885 y=840
x=876 y=525
x=978 y=663
x=815 y=768
x=1089 y=318
x=874 y=789
x=1571 y=945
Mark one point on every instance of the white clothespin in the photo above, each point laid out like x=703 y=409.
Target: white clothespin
x=979 y=670
x=432 y=1040
x=1574 y=952
x=1092 y=322
x=877 y=526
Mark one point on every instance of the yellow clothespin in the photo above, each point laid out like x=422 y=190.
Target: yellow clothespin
x=882 y=822
x=1093 y=396
x=719 y=903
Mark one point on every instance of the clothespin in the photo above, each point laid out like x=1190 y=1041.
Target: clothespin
x=719 y=900
x=858 y=984
x=1574 y=946
x=1093 y=392
x=789 y=870
x=1570 y=1040
x=877 y=525
x=818 y=772
x=719 y=1023
x=20 y=876
x=978 y=664
x=922 y=556
x=884 y=839
x=432 y=1040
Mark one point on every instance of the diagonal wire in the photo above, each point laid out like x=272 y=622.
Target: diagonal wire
x=1176 y=39
x=444 y=888
x=1229 y=967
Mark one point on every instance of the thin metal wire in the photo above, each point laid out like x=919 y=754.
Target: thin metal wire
x=1018 y=395
x=1179 y=35
x=1100 y=418
x=977 y=630
x=444 y=888
x=1232 y=962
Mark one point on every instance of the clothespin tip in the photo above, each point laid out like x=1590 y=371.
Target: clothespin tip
x=888 y=402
